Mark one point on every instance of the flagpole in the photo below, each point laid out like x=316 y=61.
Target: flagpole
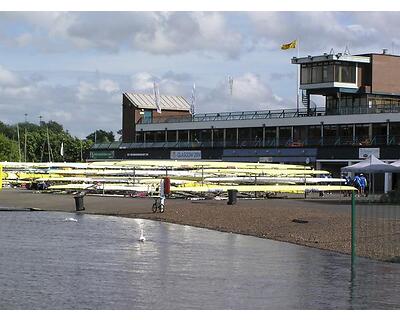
x=19 y=143
x=298 y=77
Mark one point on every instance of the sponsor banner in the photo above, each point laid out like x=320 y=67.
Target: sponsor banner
x=137 y=154
x=364 y=153
x=186 y=155
x=102 y=154
x=265 y=159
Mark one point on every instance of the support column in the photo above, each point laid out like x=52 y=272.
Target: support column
x=212 y=137
x=237 y=137
x=388 y=182
x=144 y=137
x=166 y=135
x=277 y=136
x=263 y=137
x=354 y=133
x=292 y=134
x=224 y=137
x=188 y=136
x=177 y=135
x=387 y=132
x=322 y=134
x=370 y=132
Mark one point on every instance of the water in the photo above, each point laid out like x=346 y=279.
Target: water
x=97 y=262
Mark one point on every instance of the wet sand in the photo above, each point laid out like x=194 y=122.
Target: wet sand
x=328 y=222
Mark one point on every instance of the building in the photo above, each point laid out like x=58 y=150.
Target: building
x=141 y=109
x=361 y=116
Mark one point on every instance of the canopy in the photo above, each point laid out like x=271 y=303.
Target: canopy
x=371 y=165
x=396 y=164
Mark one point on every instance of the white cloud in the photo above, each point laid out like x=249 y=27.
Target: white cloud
x=249 y=92
x=321 y=31
x=108 y=85
x=142 y=82
x=163 y=33
x=8 y=78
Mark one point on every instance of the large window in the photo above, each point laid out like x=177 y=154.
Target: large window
x=328 y=72
x=345 y=72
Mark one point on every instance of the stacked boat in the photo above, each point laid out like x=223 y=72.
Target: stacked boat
x=188 y=178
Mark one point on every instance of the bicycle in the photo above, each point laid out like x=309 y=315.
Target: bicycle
x=157 y=205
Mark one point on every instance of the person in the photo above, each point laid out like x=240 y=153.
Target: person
x=363 y=185
x=348 y=183
x=162 y=195
x=356 y=183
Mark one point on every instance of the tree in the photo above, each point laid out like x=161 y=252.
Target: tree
x=101 y=136
x=8 y=149
x=37 y=143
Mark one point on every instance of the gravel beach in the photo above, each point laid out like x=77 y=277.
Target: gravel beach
x=324 y=224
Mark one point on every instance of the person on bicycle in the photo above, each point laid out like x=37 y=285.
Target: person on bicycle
x=159 y=203
x=162 y=193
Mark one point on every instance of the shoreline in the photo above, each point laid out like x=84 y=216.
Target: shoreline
x=322 y=224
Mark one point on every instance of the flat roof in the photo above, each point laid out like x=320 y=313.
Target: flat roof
x=331 y=57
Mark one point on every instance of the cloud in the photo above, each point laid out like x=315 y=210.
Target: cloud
x=81 y=107
x=278 y=76
x=170 y=83
x=159 y=33
x=8 y=79
x=321 y=31
x=249 y=92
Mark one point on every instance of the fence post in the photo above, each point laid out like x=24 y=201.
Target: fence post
x=353 y=227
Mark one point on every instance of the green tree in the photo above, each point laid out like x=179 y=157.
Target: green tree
x=101 y=136
x=37 y=143
x=8 y=149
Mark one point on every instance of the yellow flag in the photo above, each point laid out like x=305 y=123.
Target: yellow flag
x=290 y=45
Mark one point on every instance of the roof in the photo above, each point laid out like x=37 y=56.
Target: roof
x=331 y=57
x=147 y=101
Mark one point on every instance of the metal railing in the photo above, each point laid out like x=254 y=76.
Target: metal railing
x=275 y=114
x=244 y=115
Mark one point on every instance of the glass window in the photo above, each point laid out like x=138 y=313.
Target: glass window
x=182 y=136
x=345 y=72
x=330 y=130
x=285 y=132
x=139 y=136
x=147 y=116
x=305 y=76
x=231 y=135
x=327 y=72
x=171 y=136
x=218 y=135
x=316 y=73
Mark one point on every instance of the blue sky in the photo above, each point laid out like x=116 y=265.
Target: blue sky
x=72 y=67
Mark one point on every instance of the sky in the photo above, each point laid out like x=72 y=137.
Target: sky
x=72 y=67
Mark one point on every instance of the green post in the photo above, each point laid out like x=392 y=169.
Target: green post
x=353 y=227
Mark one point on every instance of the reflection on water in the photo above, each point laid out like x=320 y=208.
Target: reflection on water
x=98 y=263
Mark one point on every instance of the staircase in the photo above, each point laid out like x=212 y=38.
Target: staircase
x=305 y=99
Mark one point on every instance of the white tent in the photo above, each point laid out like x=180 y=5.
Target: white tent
x=396 y=164
x=371 y=165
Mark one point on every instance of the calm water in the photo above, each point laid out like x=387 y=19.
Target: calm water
x=97 y=263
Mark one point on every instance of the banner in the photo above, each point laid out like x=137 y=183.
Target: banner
x=157 y=96
x=186 y=155
x=364 y=153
